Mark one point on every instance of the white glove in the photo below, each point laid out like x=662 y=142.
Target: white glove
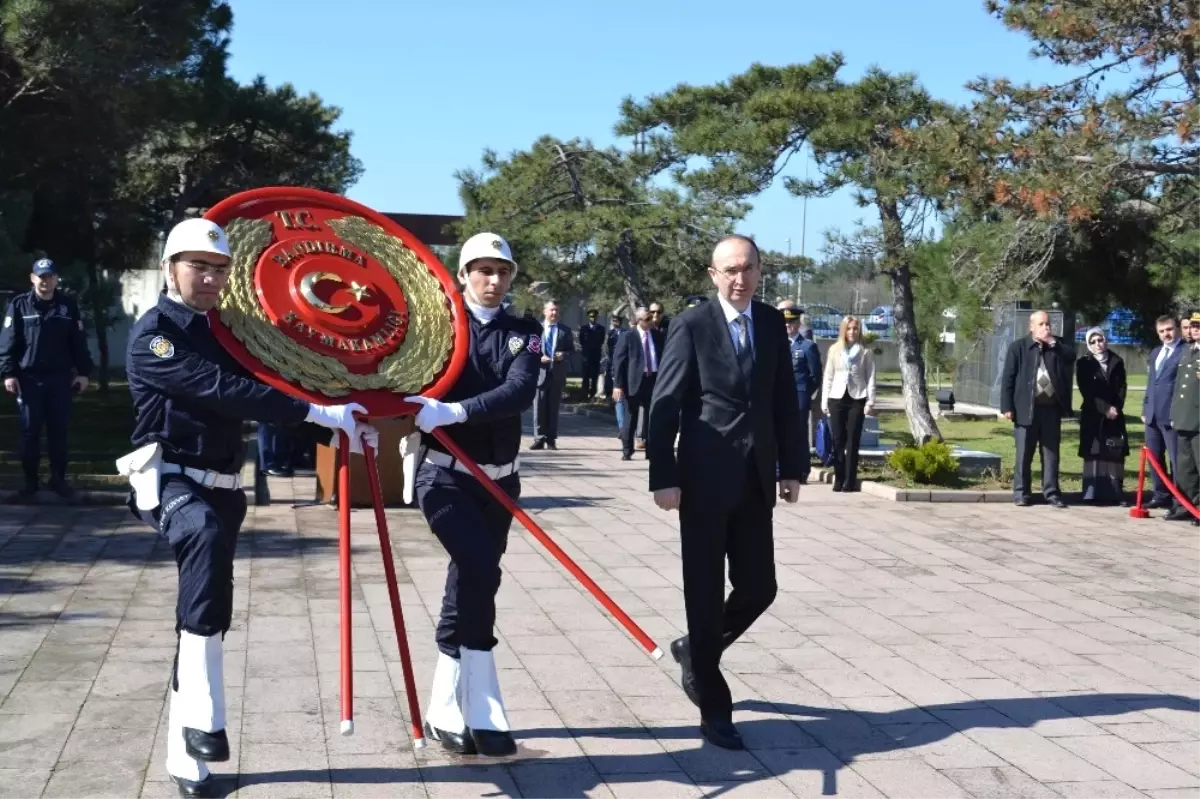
x=435 y=414
x=335 y=417
x=362 y=433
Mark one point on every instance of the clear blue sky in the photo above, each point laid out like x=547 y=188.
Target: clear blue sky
x=426 y=86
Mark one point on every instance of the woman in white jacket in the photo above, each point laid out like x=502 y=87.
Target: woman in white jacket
x=848 y=396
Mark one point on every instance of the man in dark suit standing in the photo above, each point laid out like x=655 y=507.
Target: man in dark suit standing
x=720 y=361
x=557 y=341
x=1035 y=395
x=806 y=364
x=1156 y=406
x=591 y=343
x=635 y=368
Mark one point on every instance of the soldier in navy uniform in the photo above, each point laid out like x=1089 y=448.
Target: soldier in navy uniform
x=591 y=343
x=806 y=365
x=44 y=359
x=482 y=414
x=190 y=400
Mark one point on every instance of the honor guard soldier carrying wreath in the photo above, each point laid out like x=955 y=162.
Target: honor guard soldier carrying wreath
x=190 y=399
x=482 y=414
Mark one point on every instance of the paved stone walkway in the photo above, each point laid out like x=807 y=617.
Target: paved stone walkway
x=914 y=650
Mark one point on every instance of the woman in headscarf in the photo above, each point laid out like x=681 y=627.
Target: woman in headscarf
x=1103 y=444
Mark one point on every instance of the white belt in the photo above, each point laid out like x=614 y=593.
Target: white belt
x=449 y=462
x=205 y=477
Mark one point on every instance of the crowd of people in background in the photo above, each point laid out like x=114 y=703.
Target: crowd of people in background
x=1040 y=374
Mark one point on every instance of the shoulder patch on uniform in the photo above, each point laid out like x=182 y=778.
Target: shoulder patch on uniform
x=161 y=347
x=515 y=344
x=535 y=344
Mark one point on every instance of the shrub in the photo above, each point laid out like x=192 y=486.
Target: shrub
x=929 y=463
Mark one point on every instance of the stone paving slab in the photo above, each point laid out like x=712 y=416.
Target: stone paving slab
x=964 y=649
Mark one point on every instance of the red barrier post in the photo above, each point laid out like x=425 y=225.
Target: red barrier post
x=498 y=493
x=389 y=570
x=1137 y=511
x=1180 y=498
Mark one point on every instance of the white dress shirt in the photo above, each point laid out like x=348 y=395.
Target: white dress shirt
x=731 y=315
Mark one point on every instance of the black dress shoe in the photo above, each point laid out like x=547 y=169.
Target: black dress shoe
x=1158 y=503
x=722 y=734
x=538 y=445
x=493 y=743
x=189 y=788
x=626 y=456
x=1057 y=502
x=460 y=743
x=211 y=747
x=1178 y=515
x=683 y=656
x=1023 y=502
x=551 y=445
x=281 y=472
x=837 y=487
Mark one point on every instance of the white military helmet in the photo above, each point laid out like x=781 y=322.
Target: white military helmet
x=484 y=245
x=196 y=235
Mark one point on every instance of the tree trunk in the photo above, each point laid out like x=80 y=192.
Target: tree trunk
x=635 y=293
x=96 y=295
x=908 y=341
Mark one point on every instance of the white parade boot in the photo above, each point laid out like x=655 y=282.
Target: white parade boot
x=443 y=716
x=201 y=679
x=190 y=774
x=483 y=706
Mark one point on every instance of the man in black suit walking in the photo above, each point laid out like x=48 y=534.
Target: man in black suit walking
x=557 y=342
x=591 y=343
x=635 y=368
x=721 y=360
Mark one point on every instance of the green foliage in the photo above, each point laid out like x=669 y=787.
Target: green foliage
x=588 y=221
x=931 y=463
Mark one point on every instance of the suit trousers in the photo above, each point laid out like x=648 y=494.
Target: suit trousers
x=1045 y=432
x=1161 y=441
x=743 y=535
x=637 y=407
x=846 y=423
x=473 y=528
x=545 y=405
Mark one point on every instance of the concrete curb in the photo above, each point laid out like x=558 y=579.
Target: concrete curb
x=893 y=494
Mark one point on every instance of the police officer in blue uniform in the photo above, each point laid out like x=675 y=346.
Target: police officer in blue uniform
x=482 y=414
x=44 y=358
x=191 y=399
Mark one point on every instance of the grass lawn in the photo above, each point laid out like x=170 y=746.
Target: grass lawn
x=997 y=436
x=101 y=424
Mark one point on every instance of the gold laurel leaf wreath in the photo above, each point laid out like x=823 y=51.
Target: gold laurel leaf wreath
x=427 y=345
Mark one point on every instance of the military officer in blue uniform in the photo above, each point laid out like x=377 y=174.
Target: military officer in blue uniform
x=806 y=365
x=190 y=400
x=44 y=359
x=482 y=414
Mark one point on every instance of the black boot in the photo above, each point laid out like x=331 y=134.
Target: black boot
x=211 y=747
x=493 y=743
x=189 y=789
x=460 y=743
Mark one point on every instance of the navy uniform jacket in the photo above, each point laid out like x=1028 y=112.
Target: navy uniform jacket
x=43 y=337
x=191 y=396
x=498 y=382
x=806 y=363
x=591 y=341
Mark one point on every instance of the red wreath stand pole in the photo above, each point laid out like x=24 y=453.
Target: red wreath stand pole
x=506 y=501
x=389 y=570
x=1138 y=512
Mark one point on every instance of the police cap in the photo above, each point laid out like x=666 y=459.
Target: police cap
x=196 y=235
x=44 y=266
